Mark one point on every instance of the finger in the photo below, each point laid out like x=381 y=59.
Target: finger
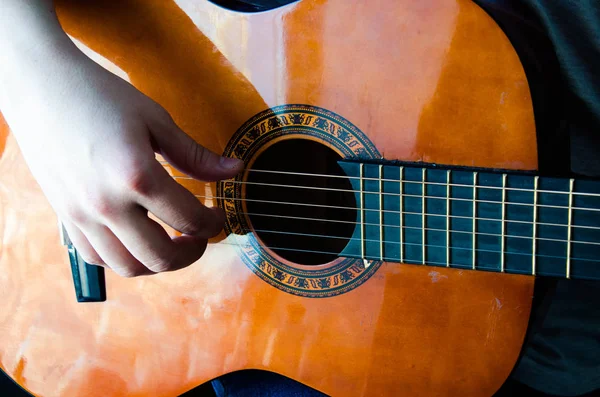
x=81 y=243
x=150 y=244
x=114 y=253
x=177 y=207
x=189 y=157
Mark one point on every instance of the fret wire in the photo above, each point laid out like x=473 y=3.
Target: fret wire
x=396 y=212
x=401 y=220
x=503 y=224
x=423 y=216
x=533 y=247
x=392 y=180
x=570 y=216
x=474 y=218
x=362 y=213
x=448 y=218
x=381 y=238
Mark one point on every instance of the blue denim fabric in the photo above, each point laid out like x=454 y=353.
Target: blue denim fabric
x=260 y=384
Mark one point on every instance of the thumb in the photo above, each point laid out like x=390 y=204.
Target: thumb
x=185 y=154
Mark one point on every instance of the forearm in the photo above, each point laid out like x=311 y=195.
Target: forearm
x=36 y=56
x=27 y=25
x=31 y=39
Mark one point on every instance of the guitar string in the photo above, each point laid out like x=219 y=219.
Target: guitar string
x=408 y=181
x=416 y=228
x=392 y=259
x=416 y=244
x=421 y=182
x=386 y=241
x=397 y=212
x=416 y=196
x=562 y=258
x=411 y=195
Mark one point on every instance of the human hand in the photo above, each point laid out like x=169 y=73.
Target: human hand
x=90 y=139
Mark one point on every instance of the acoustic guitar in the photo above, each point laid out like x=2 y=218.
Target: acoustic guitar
x=383 y=239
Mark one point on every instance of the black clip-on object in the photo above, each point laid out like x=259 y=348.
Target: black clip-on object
x=88 y=280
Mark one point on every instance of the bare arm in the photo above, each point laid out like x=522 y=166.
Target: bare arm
x=89 y=139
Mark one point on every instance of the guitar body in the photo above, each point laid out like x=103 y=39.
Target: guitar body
x=423 y=81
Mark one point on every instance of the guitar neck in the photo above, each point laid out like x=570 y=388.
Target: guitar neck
x=479 y=220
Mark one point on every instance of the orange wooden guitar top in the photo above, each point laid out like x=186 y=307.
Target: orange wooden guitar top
x=424 y=80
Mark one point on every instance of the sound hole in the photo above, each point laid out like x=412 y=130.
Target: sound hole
x=304 y=234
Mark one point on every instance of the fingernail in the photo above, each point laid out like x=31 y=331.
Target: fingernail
x=230 y=163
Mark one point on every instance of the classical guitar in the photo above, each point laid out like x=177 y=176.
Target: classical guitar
x=384 y=238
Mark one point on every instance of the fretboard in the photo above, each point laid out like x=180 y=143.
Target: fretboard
x=480 y=220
